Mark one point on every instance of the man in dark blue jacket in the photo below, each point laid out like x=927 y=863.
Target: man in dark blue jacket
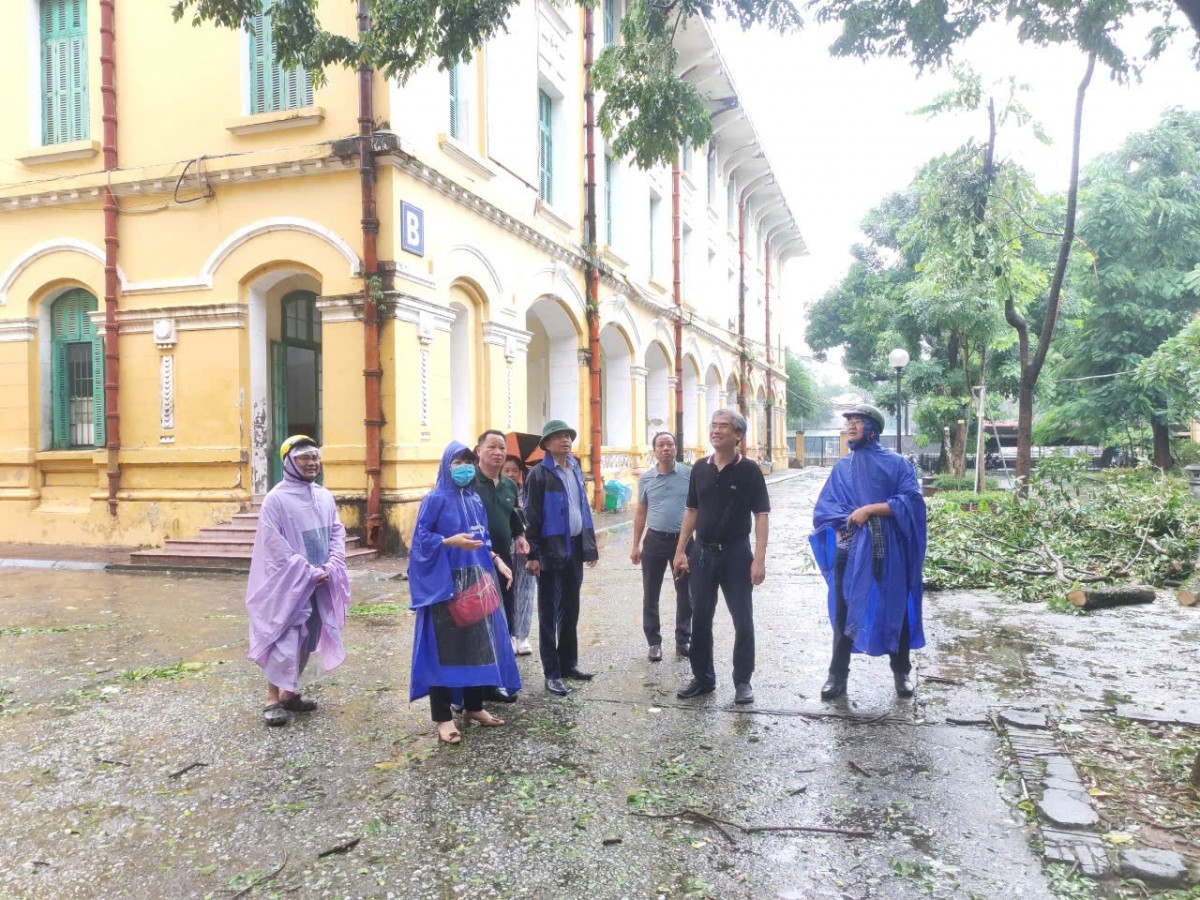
x=561 y=539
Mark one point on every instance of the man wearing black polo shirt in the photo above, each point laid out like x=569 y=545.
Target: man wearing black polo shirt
x=727 y=493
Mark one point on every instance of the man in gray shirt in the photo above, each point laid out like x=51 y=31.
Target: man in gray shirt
x=662 y=494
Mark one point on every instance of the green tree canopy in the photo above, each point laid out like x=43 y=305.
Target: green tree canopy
x=1141 y=220
x=928 y=32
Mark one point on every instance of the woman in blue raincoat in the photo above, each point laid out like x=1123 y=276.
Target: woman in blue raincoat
x=461 y=641
x=869 y=541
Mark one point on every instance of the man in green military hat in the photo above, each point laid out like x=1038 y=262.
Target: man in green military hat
x=561 y=540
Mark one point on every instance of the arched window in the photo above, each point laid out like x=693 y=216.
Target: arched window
x=76 y=373
x=295 y=374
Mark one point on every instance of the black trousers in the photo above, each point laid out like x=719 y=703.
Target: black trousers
x=439 y=702
x=842 y=644
x=507 y=594
x=658 y=550
x=724 y=566
x=558 y=613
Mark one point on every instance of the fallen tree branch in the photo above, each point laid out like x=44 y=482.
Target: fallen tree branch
x=693 y=814
x=700 y=815
x=340 y=848
x=187 y=768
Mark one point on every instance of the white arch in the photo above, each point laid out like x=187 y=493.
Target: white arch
x=278 y=223
x=658 y=397
x=615 y=311
x=45 y=248
x=552 y=364
x=553 y=281
x=666 y=334
x=467 y=260
x=206 y=278
x=691 y=345
x=616 y=386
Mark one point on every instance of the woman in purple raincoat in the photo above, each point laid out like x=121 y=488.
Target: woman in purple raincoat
x=298 y=591
x=451 y=557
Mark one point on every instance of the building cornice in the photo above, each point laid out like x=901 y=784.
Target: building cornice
x=186 y=318
x=182 y=177
x=17 y=330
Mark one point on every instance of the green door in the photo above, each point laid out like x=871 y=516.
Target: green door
x=295 y=376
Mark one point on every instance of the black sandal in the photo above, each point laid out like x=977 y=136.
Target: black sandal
x=275 y=715
x=298 y=704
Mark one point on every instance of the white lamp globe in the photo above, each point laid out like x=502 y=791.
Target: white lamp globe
x=898 y=358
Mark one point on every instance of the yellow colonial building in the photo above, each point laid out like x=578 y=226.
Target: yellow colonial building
x=183 y=268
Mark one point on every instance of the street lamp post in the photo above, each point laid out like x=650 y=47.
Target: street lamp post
x=898 y=359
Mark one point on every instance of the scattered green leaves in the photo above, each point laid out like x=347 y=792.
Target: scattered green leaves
x=57 y=629
x=168 y=673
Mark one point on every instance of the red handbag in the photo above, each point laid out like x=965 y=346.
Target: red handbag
x=474 y=602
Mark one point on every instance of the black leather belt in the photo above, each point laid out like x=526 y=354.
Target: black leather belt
x=671 y=534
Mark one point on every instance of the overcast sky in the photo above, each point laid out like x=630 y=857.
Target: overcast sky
x=840 y=135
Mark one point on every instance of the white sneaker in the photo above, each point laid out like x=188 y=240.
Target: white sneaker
x=521 y=647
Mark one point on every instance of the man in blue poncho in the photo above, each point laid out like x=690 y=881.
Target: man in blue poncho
x=869 y=540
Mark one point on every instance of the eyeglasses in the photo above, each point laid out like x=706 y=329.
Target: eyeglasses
x=307 y=456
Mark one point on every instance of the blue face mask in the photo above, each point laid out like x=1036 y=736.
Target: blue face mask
x=463 y=475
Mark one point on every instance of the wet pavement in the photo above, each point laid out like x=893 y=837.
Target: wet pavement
x=112 y=685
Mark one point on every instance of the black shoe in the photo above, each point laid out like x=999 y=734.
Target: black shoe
x=684 y=650
x=498 y=695
x=834 y=687
x=695 y=688
x=904 y=684
x=743 y=693
x=576 y=674
x=556 y=687
x=655 y=654
x=298 y=704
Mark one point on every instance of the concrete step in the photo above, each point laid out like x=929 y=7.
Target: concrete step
x=235 y=544
x=205 y=559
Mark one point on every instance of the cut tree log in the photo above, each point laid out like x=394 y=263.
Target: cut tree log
x=1190 y=592
x=1113 y=595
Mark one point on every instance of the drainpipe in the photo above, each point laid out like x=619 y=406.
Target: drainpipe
x=741 y=391
x=767 y=327
x=593 y=270
x=372 y=373
x=677 y=285
x=112 y=357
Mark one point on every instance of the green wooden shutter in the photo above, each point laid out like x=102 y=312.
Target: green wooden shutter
x=608 y=200
x=545 y=148
x=98 y=390
x=70 y=323
x=273 y=88
x=64 y=71
x=610 y=30
x=454 y=128
x=60 y=413
x=260 y=66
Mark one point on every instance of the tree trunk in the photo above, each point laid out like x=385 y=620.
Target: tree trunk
x=1162 y=444
x=1115 y=595
x=1031 y=367
x=1024 y=464
x=958 y=450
